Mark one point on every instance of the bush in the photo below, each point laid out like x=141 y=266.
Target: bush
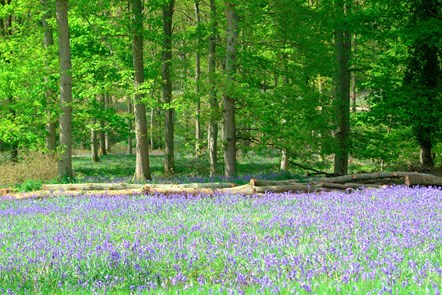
x=33 y=166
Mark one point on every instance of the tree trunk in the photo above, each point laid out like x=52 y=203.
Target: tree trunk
x=284 y=160
x=342 y=92
x=353 y=79
x=426 y=156
x=65 y=158
x=213 y=100
x=102 y=127
x=130 y=111
x=142 y=167
x=229 y=132
x=423 y=77
x=48 y=43
x=169 y=161
x=198 y=136
x=107 y=105
x=94 y=143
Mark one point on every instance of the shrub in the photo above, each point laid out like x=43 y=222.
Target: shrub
x=33 y=166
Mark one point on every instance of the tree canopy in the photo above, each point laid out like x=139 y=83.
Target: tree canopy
x=326 y=82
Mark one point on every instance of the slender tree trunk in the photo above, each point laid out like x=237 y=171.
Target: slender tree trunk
x=152 y=123
x=353 y=78
x=107 y=105
x=130 y=124
x=213 y=100
x=142 y=167
x=169 y=161
x=65 y=160
x=198 y=136
x=14 y=142
x=229 y=130
x=102 y=127
x=284 y=160
x=48 y=43
x=94 y=143
x=342 y=93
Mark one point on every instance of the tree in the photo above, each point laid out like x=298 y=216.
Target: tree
x=48 y=44
x=65 y=160
x=422 y=81
x=229 y=123
x=142 y=167
x=213 y=100
x=342 y=89
x=169 y=161
x=198 y=133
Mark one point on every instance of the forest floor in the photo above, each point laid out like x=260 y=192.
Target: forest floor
x=35 y=170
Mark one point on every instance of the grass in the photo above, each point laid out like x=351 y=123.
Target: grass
x=36 y=168
x=33 y=168
x=187 y=169
x=369 y=242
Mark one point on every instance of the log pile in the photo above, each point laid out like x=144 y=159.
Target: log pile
x=255 y=186
x=343 y=183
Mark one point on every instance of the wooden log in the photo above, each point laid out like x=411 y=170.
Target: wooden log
x=125 y=186
x=413 y=178
x=260 y=182
x=91 y=186
x=74 y=193
x=169 y=190
x=194 y=185
x=5 y=191
x=295 y=187
x=347 y=186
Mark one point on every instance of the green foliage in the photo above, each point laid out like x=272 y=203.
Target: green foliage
x=29 y=185
x=283 y=87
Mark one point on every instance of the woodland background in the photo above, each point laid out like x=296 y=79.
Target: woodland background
x=332 y=85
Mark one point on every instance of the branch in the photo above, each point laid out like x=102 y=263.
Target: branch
x=317 y=172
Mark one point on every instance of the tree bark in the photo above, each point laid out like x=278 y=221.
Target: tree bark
x=65 y=158
x=48 y=43
x=103 y=150
x=284 y=160
x=229 y=132
x=94 y=143
x=342 y=92
x=107 y=105
x=213 y=100
x=426 y=155
x=353 y=79
x=198 y=136
x=142 y=167
x=130 y=111
x=410 y=178
x=169 y=161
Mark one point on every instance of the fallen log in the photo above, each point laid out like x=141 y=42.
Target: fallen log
x=170 y=190
x=74 y=193
x=91 y=186
x=213 y=185
x=410 y=178
x=128 y=186
x=347 y=186
x=261 y=182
